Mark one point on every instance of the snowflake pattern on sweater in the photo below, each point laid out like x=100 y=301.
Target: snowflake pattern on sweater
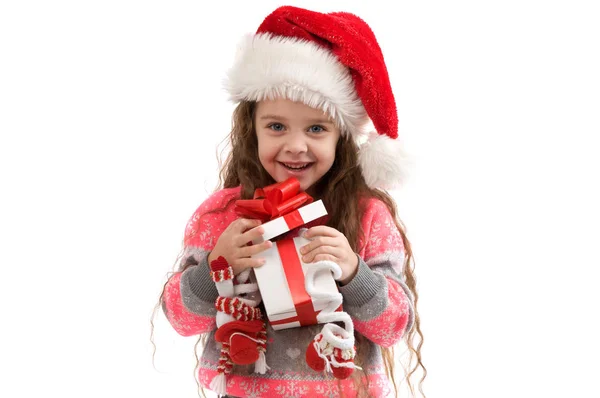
x=377 y=299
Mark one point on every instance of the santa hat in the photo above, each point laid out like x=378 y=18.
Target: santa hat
x=331 y=62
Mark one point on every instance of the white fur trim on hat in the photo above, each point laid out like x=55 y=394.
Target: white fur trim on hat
x=383 y=162
x=269 y=67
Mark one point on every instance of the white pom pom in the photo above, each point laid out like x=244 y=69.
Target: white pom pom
x=219 y=384
x=261 y=364
x=383 y=162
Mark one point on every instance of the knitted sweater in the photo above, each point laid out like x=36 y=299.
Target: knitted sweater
x=377 y=299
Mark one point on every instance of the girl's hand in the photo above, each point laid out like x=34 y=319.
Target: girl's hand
x=330 y=244
x=232 y=245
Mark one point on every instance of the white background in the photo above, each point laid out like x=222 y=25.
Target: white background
x=110 y=113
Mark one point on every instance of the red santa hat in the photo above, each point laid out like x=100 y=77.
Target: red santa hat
x=331 y=62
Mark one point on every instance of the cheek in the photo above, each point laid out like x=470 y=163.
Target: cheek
x=327 y=152
x=266 y=150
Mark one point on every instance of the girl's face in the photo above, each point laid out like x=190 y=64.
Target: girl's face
x=295 y=140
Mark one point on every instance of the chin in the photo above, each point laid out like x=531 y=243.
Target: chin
x=304 y=186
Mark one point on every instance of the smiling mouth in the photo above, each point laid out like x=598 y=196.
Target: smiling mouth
x=296 y=167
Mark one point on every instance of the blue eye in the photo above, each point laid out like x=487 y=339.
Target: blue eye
x=316 y=129
x=276 y=126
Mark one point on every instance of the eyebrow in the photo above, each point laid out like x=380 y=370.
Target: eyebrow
x=277 y=117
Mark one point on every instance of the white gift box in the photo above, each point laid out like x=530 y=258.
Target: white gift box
x=294 y=219
x=281 y=284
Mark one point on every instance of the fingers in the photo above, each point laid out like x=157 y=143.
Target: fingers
x=250 y=235
x=329 y=252
x=242 y=263
x=320 y=241
x=243 y=224
x=322 y=230
x=248 y=251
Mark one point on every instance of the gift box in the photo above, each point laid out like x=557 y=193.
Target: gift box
x=294 y=219
x=281 y=284
x=283 y=207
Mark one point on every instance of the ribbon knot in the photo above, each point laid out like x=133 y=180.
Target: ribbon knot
x=273 y=201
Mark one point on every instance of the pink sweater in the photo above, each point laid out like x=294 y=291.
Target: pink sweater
x=377 y=299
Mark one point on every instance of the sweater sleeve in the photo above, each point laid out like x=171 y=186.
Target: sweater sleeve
x=377 y=298
x=190 y=293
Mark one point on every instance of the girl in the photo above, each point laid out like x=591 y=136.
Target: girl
x=307 y=85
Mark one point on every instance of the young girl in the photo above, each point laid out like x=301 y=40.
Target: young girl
x=307 y=85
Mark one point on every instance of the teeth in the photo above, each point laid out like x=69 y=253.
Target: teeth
x=296 y=167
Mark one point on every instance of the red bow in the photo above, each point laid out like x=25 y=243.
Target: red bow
x=273 y=201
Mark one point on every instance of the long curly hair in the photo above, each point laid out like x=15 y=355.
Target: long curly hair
x=341 y=189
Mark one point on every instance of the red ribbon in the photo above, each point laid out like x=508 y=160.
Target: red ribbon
x=276 y=200
x=296 y=318
x=295 y=279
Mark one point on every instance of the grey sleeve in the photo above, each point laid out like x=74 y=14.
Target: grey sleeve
x=198 y=290
x=366 y=295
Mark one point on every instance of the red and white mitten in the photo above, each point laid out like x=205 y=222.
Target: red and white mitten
x=240 y=328
x=333 y=349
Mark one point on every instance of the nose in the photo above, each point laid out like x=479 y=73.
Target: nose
x=296 y=143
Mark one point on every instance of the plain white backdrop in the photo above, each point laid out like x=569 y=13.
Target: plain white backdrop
x=110 y=114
